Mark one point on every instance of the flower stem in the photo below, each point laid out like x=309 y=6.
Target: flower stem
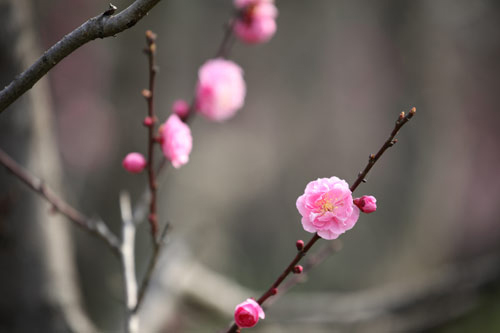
x=149 y=95
x=402 y=119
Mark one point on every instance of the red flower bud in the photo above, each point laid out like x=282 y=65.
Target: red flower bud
x=298 y=269
x=367 y=203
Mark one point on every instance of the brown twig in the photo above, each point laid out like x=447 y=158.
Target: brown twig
x=104 y=25
x=372 y=159
x=222 y=51
x=151 y=266
x=149 y=95
x=402 y=119
x=311 y=261
x=227 y=40
x=94 y=226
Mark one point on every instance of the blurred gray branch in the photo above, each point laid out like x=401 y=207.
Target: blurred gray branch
x=104 y=25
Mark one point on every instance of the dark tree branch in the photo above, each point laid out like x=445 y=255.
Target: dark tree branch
x=94 y=226
x=104 y=25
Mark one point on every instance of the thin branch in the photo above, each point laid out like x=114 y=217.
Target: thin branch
x=227 y=40
x=104 y=25
x=223 y=50
x=128 y=263
x=151 y=266
x=94 y=226
x=372 y=159
x=149 y=95
x=312 y=261
x=273 y=290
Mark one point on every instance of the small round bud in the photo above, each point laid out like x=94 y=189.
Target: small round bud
x=146 y=93
x=299 y=244
x=148 y=122
x=402 y=115
x=181 y=108
x=134 y=162
x=151 y=36
x=274 y=291
x=298 y=269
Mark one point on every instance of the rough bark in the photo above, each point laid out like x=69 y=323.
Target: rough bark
x=38 y=282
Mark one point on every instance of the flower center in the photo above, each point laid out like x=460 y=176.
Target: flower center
x=326 y=204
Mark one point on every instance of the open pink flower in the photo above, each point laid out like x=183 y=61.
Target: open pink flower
x=256 y=22
x=134 y=162
x=221 y=89
x=247 y=314
x=176 y=141
x=367 y=203
x=327 y=207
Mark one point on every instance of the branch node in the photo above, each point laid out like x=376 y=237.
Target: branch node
x=110 y=11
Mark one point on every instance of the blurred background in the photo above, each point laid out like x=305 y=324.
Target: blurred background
x=322 y=95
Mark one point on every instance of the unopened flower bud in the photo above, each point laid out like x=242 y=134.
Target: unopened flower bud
x=298 y=269
x=274 y=291
x=150 y=35
x=299 y=244
x=146 y=93
x=148 y=122
x=247 y=314
x=181 y=108
x=367 y=203
x=134 y=162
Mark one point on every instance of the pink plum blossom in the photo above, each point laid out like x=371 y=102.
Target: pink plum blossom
x=134 y=162
x=177 y=141
x=256 y=22
x=247 y=314
x=327 y=207
x=367 y=203
x=221 y=89
x=181 y=108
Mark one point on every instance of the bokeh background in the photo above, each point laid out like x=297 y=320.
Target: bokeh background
x=322 y=95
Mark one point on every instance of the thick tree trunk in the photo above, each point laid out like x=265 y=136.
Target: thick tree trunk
x=38 y=283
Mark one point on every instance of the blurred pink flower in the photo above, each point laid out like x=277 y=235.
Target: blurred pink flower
x=256 y=21
x=327 y=207
x=247 y=314
x=177 y=141
x=134 y=162
x=181 y=108
x=221 y=89
x=367 y=203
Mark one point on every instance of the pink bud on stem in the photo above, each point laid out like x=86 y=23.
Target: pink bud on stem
x=134 y=162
